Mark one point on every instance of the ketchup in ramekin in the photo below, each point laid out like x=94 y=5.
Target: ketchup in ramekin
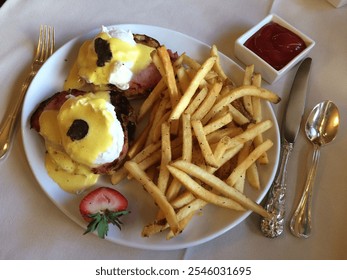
x=275 y=44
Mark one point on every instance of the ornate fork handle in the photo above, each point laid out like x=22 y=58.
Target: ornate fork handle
x=275 y=204
x=8 y=125
x=45 y=48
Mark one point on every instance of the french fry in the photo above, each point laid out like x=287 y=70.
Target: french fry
x=249 y=134
x=182 y=223
x=152 y=98
x=187 y=149
x=253 y=106
x=182 y=200
x=147 y=152
x=257 y=112
x=139 y=143
x=163 y=178
x=188 y=94
x=198 y=99
x=217 y=66
x=238 y=93
x=122 y=173
x=153 y=174
x=202 y=82
x=252 y=176
x=152 y=229
x=257 y=115
x=185 y=211
x=187 y=138
x=158 y=64
x=224 y=155
x=252 y=157
x=160 y=112
x=119 y=175
x=229 y=154
x=220 y=186
x=183 y=79
x=195 y=205
x=136 y=147
x=258 y=140
x=211 y=77
x=242 y=155
x=198 y=157
x=215 y=136
x=221 y=147
x=173 y=190
x=239 y=118
x=252 y=172
x=178 y=62
x=203 y=193
x=192 y=63
x=208 y=102
x=218 y=123
x=220 y=114
x=169 y=75
x=148 y=162
x=157 y=195
x=247 y=81
x=204 y=145
x=156 y=129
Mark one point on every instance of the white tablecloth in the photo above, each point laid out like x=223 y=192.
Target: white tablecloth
x=31 y=227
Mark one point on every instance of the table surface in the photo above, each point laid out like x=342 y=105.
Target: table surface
x=32 y=227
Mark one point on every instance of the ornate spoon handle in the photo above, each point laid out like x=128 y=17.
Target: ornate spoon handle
x=275 y=204
x=300 y=224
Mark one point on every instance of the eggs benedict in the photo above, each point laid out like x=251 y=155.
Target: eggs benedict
x=115 y=59
x=86 y=134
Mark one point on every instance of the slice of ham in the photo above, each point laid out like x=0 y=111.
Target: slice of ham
x=143 y=82
x=52 y=103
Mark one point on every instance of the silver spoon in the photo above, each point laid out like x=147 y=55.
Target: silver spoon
x=321 y=128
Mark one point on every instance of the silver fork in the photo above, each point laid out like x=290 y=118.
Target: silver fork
x=45 y=48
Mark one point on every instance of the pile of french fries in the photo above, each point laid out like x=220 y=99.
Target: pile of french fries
x=203 y=140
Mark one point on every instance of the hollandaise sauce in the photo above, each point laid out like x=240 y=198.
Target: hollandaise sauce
x=108 y=60
x=69 y=175
x=82 y=134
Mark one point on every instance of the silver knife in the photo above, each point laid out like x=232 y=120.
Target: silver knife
x=290 y=127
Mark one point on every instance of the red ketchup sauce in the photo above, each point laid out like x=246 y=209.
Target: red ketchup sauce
x=275 y=44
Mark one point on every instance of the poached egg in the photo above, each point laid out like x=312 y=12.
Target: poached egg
x=112 y=57
x=84 y=133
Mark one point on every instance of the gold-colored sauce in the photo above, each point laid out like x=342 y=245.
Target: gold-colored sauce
x=86 y=63
x=70 y=176
x=94 y=112
x=68 y=162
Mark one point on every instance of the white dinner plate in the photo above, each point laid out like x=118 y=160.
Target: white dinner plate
x=213 y=222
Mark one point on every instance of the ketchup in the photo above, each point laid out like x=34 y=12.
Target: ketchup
x=275 y=44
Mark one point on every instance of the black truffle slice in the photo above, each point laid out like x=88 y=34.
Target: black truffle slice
x=78 y=130
x=103 y=51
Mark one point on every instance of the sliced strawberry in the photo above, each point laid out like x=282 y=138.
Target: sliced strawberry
x=102 y=206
